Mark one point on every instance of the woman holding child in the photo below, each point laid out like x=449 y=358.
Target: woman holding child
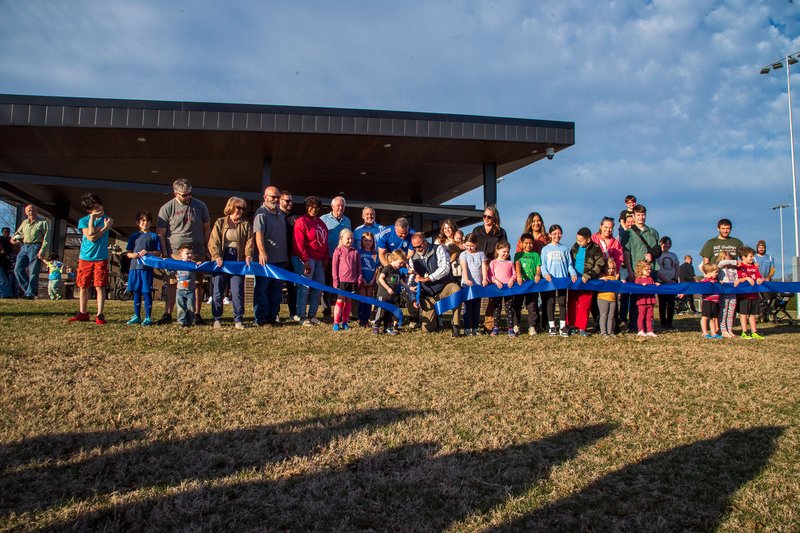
x=231 y=239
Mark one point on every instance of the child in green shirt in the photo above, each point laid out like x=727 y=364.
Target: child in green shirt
x=528 y=265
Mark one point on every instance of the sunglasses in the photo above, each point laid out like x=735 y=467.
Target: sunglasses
x=488 y=217
x=238 y=208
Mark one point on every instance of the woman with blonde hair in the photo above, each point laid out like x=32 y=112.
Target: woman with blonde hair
x=231 y=239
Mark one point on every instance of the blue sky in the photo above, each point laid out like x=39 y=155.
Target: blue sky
x=666 y=95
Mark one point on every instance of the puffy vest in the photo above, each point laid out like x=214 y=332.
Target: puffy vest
x=428 y=263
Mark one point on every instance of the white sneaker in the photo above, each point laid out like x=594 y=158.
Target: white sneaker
x=226 y=301
x=238 y=325
x=313 y=320
x=641 y=334
x=531 y=331
x=305 y=322
x=210 y=300
x=217 y=324
x=651 y=334
x=297 y=318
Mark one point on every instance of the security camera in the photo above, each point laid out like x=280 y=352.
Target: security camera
x=550 y=152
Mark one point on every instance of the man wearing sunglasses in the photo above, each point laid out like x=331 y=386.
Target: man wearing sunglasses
x=184 y=220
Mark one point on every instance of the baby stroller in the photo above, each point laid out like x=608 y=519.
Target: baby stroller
x=682 y=305
x=775 y=308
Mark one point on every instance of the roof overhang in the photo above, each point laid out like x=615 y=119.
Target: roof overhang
x=54 y=149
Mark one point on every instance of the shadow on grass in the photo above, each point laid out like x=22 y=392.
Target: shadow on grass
x=404 y=488
x=162 y=463
x=686 y=488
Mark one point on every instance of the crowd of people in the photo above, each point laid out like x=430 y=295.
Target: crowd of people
x=395 y=265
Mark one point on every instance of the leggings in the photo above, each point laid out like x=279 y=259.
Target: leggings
x=506 y=302
x=608 y=311
x=147 y=296
x=550 y=298
x=472 y=315
x=645 y=316
x=531 y=303
x=727 y=312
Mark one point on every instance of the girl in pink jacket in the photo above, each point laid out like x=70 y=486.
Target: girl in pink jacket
x=346 y=270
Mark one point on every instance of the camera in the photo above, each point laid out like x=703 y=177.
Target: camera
x=550 y=152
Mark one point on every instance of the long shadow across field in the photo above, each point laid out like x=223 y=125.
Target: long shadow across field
x=408 y=487
x=162 y=463
x=688 y=488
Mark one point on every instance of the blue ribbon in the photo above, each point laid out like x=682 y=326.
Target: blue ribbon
x=239 y=268
x=491 y=291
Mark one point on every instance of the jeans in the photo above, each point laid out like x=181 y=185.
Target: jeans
x=185 y=301
x=306 y=294
x=267 y=298
x=27 y=268
x=219 y=286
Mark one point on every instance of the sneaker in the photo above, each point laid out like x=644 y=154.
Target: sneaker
x=531 y=331
x=210 y=300
x=477 y=332
x=166 y=319
x=467 y=332
x=306 y=322
x=584 y=333
x=512 y=333
x=717 y=336
x=746 y=336
x=336 y=327
x=186 y=325
x=238 y=325
x=516 y=329
x=391 y=331
x=313 y=321
x=345 y=326
x=756 y=336
x=79 y=317
x=100 y=320
x=641 y=334
x=456 y=332
x=565 y=331
x=226 y=301
x=376 y=330
x=217 y=324
x=494 y=332
x=198 y=320
x=553 y=331
x=147 y=321
x=297 y=318
x=652 y=334
x=134 y=320
x=708 y=336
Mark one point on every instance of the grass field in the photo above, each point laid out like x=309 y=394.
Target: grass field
x=128 y=428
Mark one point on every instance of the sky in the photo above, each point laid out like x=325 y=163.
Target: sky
x=666 y=96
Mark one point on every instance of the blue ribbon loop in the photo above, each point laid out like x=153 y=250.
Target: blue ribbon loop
x=491 y=291
x=239 y=268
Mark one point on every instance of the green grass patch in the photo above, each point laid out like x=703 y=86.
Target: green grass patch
x=121 y=427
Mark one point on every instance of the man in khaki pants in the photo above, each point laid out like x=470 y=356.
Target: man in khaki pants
x=435 y=281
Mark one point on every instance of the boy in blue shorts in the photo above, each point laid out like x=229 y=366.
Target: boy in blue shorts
x=140 y=277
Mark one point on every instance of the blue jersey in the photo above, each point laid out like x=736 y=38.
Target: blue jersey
x=97 y=250
x=147 y=241
x=369 y=264
x=359 y=232
x=389 y=241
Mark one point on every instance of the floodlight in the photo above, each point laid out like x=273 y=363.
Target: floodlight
x=765 y=70
x=777 y=65
x=793 y=60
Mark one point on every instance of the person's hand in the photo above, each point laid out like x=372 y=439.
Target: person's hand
x=468 y=283
x=585 y=278
x=648 y=257
x=574 y=279
x=510 y=283
x=219 y=262
x=306 y=268
x=759 y=281
x=390 y=290
x=39 y=255
x=247 y=261
x=519 y=280
x=108 y=223
x=498 y=284
x=262 y=258
x=142 y=253
x=548 y=277
x=658 y=283
x=622 y=281
x=736 y=283
x=537 y=278
x=485 y=282
x=750 y=281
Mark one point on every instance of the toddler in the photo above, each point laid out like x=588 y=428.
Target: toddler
x=645 y=303
x=607 y=301
x=54 y=283
x=390 y=284
x=185 y=289
x=709 y=320
x=501 y=273
x=749 y=303
x=727 y=302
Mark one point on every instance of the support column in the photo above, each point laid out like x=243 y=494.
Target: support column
x=489 y=184
x=20 y=216
x=58 y=230
x=266 y=174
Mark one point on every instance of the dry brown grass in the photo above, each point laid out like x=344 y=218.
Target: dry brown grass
x=119 y=427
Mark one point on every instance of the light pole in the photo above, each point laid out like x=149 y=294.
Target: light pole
x=779 y=208
x=790 y=59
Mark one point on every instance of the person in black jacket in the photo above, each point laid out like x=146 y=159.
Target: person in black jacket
x=589 y=263
x=488 y=235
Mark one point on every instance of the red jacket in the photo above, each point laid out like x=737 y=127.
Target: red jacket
x=310 y=239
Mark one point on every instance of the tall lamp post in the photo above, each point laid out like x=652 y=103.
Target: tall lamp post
x=790 y=59
x=779 y=208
